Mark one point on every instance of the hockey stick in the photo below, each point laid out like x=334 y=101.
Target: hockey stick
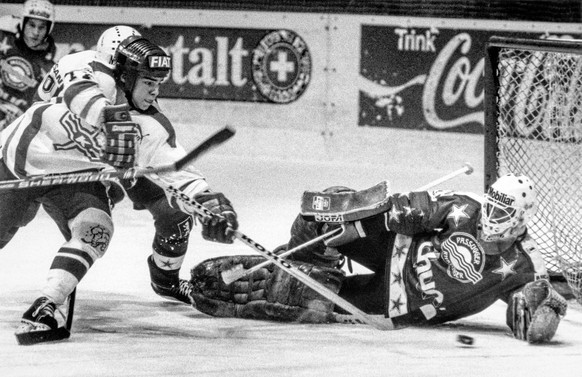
x=238 y=272
x=72 y=178
x=466 y=169
x=203 y=212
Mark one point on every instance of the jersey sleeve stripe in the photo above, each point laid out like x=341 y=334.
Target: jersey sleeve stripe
x=32 y=129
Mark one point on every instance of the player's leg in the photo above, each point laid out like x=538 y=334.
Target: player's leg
x=170 y=244
x=83 y=215
x=17 y=207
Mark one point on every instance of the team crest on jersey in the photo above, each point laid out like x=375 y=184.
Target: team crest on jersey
x=281 y=66
x=465 y=257
x=17 y=73
x=81 y=139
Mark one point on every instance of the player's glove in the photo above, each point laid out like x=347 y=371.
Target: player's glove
x=217 y=228
x=120 y=136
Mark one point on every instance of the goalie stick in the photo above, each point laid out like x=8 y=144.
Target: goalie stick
x=132 y=173
x=237 y=272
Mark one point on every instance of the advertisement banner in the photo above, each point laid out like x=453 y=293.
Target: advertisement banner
x=423 y=78
x=247 y=65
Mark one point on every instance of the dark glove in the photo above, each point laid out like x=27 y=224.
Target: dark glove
x=219 y=227
x=121 y=136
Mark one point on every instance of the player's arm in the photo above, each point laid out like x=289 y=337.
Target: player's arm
x=50 y=86
x=158 y=148
x=84 y=97
x=362 y=213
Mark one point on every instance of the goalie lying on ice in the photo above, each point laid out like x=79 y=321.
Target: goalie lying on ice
x=450 y=255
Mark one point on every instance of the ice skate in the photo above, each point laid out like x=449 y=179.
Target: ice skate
x=38 y=324
x=178 y=292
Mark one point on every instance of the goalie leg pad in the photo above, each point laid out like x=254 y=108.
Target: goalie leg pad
x=535 y=312
x=267 y=294
x=339 y=205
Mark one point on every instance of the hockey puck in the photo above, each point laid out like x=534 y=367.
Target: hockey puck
x=465 y=340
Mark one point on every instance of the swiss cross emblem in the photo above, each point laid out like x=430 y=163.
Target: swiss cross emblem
x=321 y=203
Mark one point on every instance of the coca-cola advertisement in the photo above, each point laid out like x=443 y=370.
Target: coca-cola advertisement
x=424 y=78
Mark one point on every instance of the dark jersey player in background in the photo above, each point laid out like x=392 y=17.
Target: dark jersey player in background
x=434 y=256
x=27 y=51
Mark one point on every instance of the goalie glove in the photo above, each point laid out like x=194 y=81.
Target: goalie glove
x=120 y=136
x=217 y=228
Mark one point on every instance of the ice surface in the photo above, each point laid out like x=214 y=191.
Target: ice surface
x=122 y=328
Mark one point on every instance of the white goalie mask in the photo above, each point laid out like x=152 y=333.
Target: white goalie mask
x=109 y=40
x=508 y=206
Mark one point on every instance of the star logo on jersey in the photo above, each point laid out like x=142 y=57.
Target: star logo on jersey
x=505 y=269
x=458 y=213
x=397 y=304
x=5 y=46
x=395 y=214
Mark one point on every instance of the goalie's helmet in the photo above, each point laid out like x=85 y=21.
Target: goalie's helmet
x=507 y=207
x=41 y=10
x=109 y=40
x=137 y=56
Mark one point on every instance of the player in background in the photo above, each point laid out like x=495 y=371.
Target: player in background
x=99 y=63
x=50 y=139
x=435 y=257
x=69 y=79
x=27 y=51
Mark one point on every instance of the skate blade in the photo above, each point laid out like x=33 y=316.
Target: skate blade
x=35 y=337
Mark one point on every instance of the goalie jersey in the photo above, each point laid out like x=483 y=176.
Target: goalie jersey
x=436 y=258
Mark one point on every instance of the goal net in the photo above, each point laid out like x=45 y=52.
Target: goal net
x=533 y=126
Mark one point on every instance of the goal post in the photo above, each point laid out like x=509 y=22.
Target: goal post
x=533 y=126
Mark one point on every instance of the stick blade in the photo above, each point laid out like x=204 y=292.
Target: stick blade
x=213 y=141
x=35 y=337
x=232 y=274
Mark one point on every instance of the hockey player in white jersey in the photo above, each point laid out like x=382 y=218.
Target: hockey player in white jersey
x=49 y=139
x=100 y=63
x=87 y=77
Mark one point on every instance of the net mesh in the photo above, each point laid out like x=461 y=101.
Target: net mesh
x=539 y=126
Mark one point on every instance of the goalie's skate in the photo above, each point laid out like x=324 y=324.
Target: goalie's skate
x=180 y=292
x=39 y=324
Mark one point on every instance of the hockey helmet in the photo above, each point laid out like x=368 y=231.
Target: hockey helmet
x=41 y=10
x=109 y=40
x=137 y=56
x=508 y=206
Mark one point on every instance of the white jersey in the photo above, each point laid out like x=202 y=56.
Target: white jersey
x=48 y=139
x=84 y=83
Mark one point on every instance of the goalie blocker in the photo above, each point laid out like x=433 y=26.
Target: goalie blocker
x=340 y=204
